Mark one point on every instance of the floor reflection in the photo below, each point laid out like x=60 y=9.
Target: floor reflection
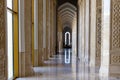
x=65 y=67
x=67 y=56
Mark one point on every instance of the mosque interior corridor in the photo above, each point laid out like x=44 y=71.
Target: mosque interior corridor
x=59 y=39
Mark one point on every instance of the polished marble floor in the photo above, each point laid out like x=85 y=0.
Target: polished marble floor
x=66 y=66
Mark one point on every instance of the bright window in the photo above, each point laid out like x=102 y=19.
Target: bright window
x=9 y=4
x=67 y=38
x=10 y=39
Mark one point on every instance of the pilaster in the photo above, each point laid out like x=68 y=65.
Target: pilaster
x=25 y=33
x=40 y=32
x=3 y=40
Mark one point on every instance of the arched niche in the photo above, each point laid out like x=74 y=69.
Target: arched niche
x=67 y=37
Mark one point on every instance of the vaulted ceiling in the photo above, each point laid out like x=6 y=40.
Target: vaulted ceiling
x=60 y=2
x=67 y=12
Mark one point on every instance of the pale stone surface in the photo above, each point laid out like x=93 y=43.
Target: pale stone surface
x=84 y=30
x=57 y=69
x=105 y=44
x=93 y=34
x=87 y=31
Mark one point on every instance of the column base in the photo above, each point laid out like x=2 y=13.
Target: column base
x=25 y=68
x=36 y=58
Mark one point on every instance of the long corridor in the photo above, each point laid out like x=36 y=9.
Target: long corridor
x=59 y=39
x=66 y=67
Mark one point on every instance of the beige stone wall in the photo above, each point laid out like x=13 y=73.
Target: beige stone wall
x=3 y=49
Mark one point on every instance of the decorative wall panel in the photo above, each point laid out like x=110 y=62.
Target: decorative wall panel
x=115 y=24
x=98 y=28
x=115 y=59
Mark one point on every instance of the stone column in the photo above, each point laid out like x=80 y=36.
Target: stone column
x=93 y=34
x=81 y=30
x=51 y=28
x=60 y=33
x=105 y=38
x=54 y=26
x=110 y=52
x=87 y=30
x=28 y=37
x=47 y=29
x=74 y=36
x=25 y=40
x=44 y=29
x=40 y=32
x=3 y=40
x=36 y=33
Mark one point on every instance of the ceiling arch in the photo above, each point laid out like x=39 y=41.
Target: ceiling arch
x=67 y=13
x=60 y=2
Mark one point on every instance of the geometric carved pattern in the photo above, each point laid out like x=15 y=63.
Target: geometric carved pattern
x=115 y=59
x=115 y=24
x=98 y=28
x=2 y=41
